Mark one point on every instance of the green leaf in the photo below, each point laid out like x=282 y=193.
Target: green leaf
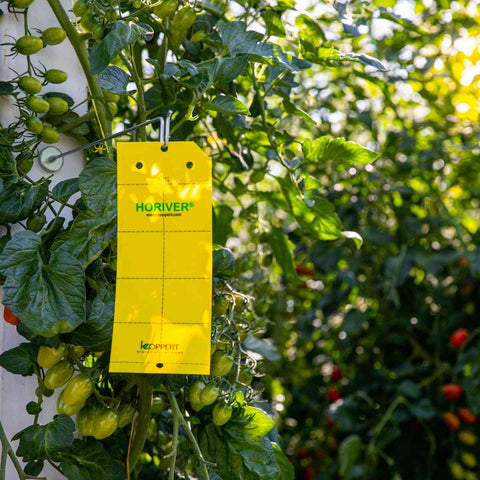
x=6 y=88
x=121 y=36
x=409 y=389
x=20 y=360
x=287 y=471
x=222 y=218
x=39 y=442
x=292 y=109
x=366 y=60
x=8 y=166
x=338 y=150
x=223 y=262
x=265 y=349
x=348 y=454
x=98 y=183
x=90 y=462
x=96 y=333
x=424 y=409
x=88 y=236
x=62 y=191
x=42 y=294
x=114 y=79
x=228 y=69
x=228 y=105
x=274 y=23
x=259 y=424
x=356 y=237
x=19 y=200
x=282 y=250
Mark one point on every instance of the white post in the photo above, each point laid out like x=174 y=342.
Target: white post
x=17 y=391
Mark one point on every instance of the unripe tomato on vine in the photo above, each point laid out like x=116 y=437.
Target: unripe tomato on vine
x=459 y=337
x=452 y=391
x=467 y=438
x=451 y=421
x=9 y=317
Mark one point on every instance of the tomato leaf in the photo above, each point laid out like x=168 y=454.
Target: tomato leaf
x=98 y=183
x=348 y=454
x=19 y=200
x=282 y=250
x=62 y=191
x=40 y=293
x=38 y=442
x=222 y=218
x=20 y=360
x=228 y=105
x=96 y=333
x=338 y=150
x=265 y=349
x=223 y=262
x=114 y=80
x=6 y=88
x=287 y=471
x=258 y=423
x=90 y=462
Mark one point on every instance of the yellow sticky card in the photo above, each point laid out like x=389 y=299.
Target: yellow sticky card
x=164 y=266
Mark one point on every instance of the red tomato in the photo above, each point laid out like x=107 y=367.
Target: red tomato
x=451 y=421
x=331 y=422
x=319 y=454
x=9 y=317
x=459 y=337
x=304 y=270
x=466 y=416
x=333 y=395
x=337 y=374
x=452 y=391
x=303 y=453
x=309 y=473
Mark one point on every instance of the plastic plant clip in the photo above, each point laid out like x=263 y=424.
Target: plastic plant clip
x=163 y=301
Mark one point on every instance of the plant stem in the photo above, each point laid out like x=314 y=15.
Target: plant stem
x=176 y=425
x=145 y=392
x=177 y=412
x=80 y=48
x=140 y=96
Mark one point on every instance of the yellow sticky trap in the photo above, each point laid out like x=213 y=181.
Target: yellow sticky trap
x=164 y=266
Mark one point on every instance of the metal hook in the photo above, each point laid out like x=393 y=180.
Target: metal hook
x=48 y=156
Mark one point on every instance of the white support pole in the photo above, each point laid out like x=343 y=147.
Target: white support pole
x=17 y=391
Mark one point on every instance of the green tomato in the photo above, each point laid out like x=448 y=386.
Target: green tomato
x=166 y=9
x=245 y=376
x=34 y=125
x=469 y=459
x=456 y=470
x=80 y=8
x=125 y=415
x=113 y=108
x=221 y=306
x=56 y=76
x=48 y=356
x=78 y=389
x=85 y=421
x=37 y=104
x=37 y=221
x=30 y=85
x=21 y=3
x=221 y=414
x=88 y=22
x=50 y=135
x=209 y=394
x=54 y=35
x=98 y=32
x=105 y=422
x=221 y=363
x=63 y=408
x=194 y=392
x=137 y=4
x=58 y=106
x=470 y=476
x=28 y=45
x=158 y=405
x=58 y=375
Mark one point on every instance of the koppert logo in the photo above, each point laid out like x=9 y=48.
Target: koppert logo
x=158 y=346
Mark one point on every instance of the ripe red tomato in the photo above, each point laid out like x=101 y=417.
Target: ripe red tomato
x=319 y=454
x=304 y=270
x=337 y=374
x=451 y=421
x=452 y=391
x=309 y=473
x=466 y=416
x=459 y=337
x=9 y=317
x=303 y=453
x=331 y=422
x=333 y=395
